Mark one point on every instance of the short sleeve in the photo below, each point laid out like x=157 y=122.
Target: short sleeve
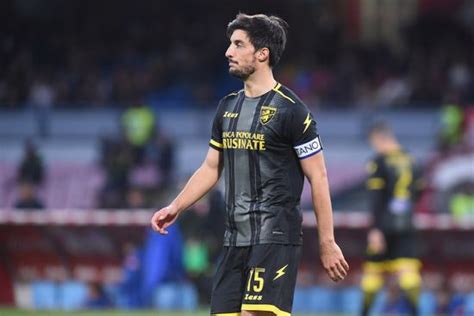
x=216 y=133
x=303 y=135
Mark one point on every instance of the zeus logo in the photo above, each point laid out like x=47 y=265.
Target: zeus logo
x=230 y=114
x=308 y=149
x=306 y=123
x=280 y=273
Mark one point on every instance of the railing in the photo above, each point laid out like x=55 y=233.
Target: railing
x=80 y=217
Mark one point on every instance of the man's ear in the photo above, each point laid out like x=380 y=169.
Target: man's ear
x=263 y=54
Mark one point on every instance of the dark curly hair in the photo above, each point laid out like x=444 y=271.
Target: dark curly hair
x=263 y=31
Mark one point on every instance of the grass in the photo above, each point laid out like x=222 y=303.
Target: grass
x=16 y=312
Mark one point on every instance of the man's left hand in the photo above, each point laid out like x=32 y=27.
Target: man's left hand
x=333 y=261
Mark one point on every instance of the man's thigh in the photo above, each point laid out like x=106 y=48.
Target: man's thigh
x=255 y=281
x=271 y=279
x=229 y=281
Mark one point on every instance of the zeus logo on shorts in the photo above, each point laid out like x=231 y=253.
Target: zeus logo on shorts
x=308 y=149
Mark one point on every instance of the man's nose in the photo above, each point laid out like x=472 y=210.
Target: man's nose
x=228 y=52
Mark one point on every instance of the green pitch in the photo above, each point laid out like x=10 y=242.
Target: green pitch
x=15 y=312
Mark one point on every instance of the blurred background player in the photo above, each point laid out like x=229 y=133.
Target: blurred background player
x=391 y=248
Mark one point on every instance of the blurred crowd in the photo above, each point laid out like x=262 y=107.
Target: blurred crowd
x=449 y=173
x=162 y=52
x=150 y=53
x=137 y=168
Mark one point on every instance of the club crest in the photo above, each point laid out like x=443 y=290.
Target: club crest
x=266 y=114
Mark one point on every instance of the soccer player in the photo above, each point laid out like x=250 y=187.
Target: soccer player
x=265 y=141
x=392 y=185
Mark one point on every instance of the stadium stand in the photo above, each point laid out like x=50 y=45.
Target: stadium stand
x=66 y=90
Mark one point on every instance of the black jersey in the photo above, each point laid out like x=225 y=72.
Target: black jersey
x=262 y=140
x=392 y=185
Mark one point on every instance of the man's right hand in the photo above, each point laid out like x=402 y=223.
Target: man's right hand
x=163 y=218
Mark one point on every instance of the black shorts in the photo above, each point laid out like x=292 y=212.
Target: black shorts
x=256 y=278
x=398 y=245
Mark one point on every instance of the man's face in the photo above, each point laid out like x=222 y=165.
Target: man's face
x=377 y=142
x=241 y=55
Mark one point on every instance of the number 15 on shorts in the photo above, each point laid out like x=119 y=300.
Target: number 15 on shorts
x=255 y=284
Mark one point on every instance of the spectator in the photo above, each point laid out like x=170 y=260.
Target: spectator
x=197 y=265
x=447 y=302
x=213 y=225
x=117 y=163
x=135 y=199
x=97 y=297
x=451 y=130
x=199 y=243
x=461 y=203
x=162 y=262
x=86 y=67
x=138 y=124
x=166 y=158
x=132 y=276
x=31 y=167
x=161 y=153
x=42 y=97
x=158 y=261
x=27 y=198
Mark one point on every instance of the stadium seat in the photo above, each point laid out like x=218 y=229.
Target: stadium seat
x=67 y=185
x=23 y=295
x=377 y=307
x=301 y=300
x=349 y=300
x=117 y=297
x=188 y=297
x=322 y=299
x=469 y=309
x=45 y=295
x=72 y=295
x=166 y=297
x=175 y=296
x=427 y=303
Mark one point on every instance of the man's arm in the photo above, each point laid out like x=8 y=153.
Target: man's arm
x=331 y=255
x=205 y=177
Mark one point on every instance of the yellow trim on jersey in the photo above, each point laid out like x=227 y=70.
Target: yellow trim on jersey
x=277 y=89
x=265 y=308
x=217 y=144
x=227 y=314
x=375 y=183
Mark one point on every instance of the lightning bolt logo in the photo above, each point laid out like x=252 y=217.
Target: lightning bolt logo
x=306 y=123
x=280 y=272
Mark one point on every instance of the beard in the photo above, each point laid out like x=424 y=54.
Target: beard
x=242 y=73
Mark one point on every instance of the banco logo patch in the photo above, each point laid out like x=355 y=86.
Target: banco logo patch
x=266 y=114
